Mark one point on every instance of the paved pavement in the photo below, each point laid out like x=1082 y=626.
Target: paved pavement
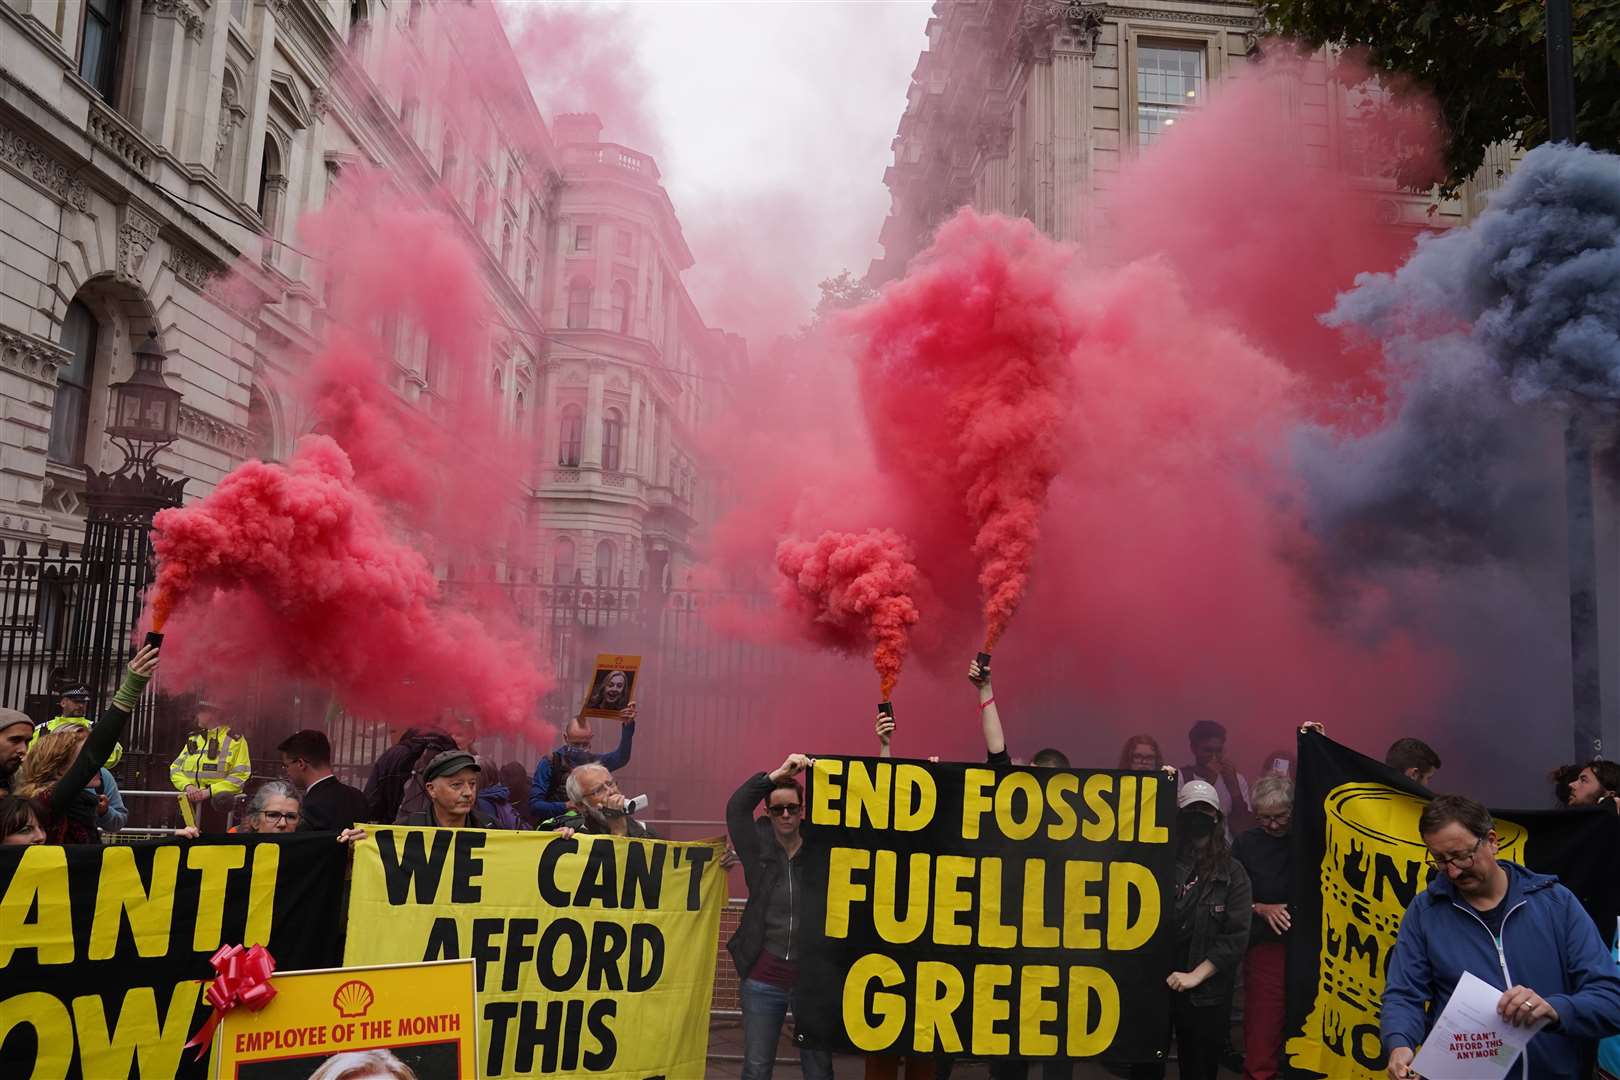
x=725 y=1061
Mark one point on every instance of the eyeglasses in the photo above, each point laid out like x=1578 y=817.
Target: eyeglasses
x=279 y=816
x=1461 y=862
x=785 y=809
x=609 y=784
x=1275 y=819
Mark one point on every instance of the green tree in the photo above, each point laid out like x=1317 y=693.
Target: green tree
x=1485 y=61
x=838 y=293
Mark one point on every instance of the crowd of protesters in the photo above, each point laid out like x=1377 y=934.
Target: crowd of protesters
x=1233 y=868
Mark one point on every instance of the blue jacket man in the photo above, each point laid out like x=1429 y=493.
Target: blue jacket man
x=1520 y=931
x=548 y=794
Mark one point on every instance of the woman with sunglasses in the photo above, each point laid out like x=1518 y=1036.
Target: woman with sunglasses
x=766 y=946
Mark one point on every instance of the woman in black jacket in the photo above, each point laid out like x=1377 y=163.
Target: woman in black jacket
x=766 y=946
x=55 y=776
x=1212 y=914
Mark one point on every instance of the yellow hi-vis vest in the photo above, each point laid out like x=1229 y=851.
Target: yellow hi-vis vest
x=84 y=722
x=215 y=760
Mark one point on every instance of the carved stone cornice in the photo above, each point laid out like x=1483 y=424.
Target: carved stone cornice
x=183 y=10
x=30 y=159
x=212 y=431
x=196 y=270
x=1229 y=22
x=136 y=234
x=32 y=357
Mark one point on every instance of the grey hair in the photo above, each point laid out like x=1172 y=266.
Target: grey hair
x=576 y=793
x=1273 y=790
x=268 y=790
x=363 y=1063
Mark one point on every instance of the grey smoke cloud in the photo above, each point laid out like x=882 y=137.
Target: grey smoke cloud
x=1491 y=333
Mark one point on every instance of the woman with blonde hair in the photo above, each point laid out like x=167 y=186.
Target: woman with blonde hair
x=60 y=765
x=363 y=1065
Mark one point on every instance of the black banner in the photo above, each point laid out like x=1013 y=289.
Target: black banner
x=1358 y=862
x=101 y=947
x=991 y=912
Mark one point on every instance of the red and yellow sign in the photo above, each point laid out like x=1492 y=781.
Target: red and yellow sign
x=402 y=1020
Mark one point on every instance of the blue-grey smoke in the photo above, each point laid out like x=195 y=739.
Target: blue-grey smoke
x=1491 y=333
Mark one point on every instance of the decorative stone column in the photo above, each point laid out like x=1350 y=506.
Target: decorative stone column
x=591 y=455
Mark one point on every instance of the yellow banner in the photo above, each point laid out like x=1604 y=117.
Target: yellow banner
x=401 y=1020
x=595 y=955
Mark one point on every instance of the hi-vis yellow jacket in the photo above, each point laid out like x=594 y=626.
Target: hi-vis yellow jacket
x=215 y=760
x=84 y=722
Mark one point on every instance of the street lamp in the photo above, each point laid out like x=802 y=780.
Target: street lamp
x=145 y=409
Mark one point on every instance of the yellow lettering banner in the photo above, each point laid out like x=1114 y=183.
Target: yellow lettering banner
x=594 y=955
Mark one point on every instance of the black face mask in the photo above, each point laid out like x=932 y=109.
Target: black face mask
x=1193 y=825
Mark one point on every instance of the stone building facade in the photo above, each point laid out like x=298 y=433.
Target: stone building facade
x=1031 y=107
x=147 y=145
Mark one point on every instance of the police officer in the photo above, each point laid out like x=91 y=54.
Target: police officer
x=210 y=770
x=73 y=708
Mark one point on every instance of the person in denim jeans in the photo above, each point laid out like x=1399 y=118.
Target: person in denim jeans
x=766 y=947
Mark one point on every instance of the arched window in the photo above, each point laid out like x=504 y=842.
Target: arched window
x=606 y=558
x=481 y=205
x=571 y=436
x=528 y=279
x=359 y=22
x=579 y=304
x=102 y=42
x=433 y=366
x=272 y=186
x=535 y=219
x=261 y=426
x=496 y=387
x=621 y=306
x=519 y=417
x=506 y=246
x=562 y=561
x=447 y=161
x=70 y=415
x=612 y=439
x=511 y=182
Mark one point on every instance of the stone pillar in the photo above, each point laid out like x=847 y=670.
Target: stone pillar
x=160 y=73
x=1039 y=123
x=591 y=454
x=632 y=428
x=1071 y=132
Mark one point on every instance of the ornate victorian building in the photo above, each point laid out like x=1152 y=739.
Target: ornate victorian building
x=1030 y=107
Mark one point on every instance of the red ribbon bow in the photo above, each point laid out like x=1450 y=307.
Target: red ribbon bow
x=242 y=978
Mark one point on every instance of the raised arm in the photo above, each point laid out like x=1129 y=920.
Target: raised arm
x=620 y=757
x=995 y=741
x=104 y=734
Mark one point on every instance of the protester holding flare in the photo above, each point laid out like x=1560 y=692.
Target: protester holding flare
x=55 y=773
x=772 y=933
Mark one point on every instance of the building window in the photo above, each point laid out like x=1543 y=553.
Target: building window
x=534 y=222
x=1169 y=82
x=433 y=366
x=562 y=562
x=606 y=558
x=359 y=22
x=612 y=439
x=481 y=204
x=261 y=426
x=506 y=247
x=447 y=160
x=621 y=242
x=582 y=237
x=519 y=418
x=70 y=416
x=621 y=306
x=528 y=278
x=579 y=304
x=272 y=182
x=571 y=436
x=496 y=386
x=98 y=56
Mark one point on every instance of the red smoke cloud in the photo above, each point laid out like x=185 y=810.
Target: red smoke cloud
x=301 y=549
x=854 y=590
x=965 y=368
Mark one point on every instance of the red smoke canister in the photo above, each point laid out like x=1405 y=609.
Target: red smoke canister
x=886 y=708
x=984 y=666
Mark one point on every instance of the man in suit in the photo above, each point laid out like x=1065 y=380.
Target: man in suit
x=329 y=805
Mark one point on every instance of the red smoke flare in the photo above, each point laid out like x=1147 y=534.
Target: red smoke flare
x=302 y=550
x=851 y=589
x=964 y=365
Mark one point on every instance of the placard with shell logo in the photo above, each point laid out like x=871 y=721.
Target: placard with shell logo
x=391 y=1022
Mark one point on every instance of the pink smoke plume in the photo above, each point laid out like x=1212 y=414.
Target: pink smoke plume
x=304 y=550
x=853 y=591
x=965 y=369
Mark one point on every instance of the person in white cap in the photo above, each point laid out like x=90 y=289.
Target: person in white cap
x=15 y=732
x=1212 y=912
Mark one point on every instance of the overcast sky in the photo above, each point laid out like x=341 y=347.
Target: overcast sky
x=771 y=123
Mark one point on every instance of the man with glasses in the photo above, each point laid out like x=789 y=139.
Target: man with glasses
x=1520 y=931
x=596 y=806
x=329 y=805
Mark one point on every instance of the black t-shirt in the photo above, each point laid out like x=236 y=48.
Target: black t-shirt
x=1000 y=757
x=1270 y=863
